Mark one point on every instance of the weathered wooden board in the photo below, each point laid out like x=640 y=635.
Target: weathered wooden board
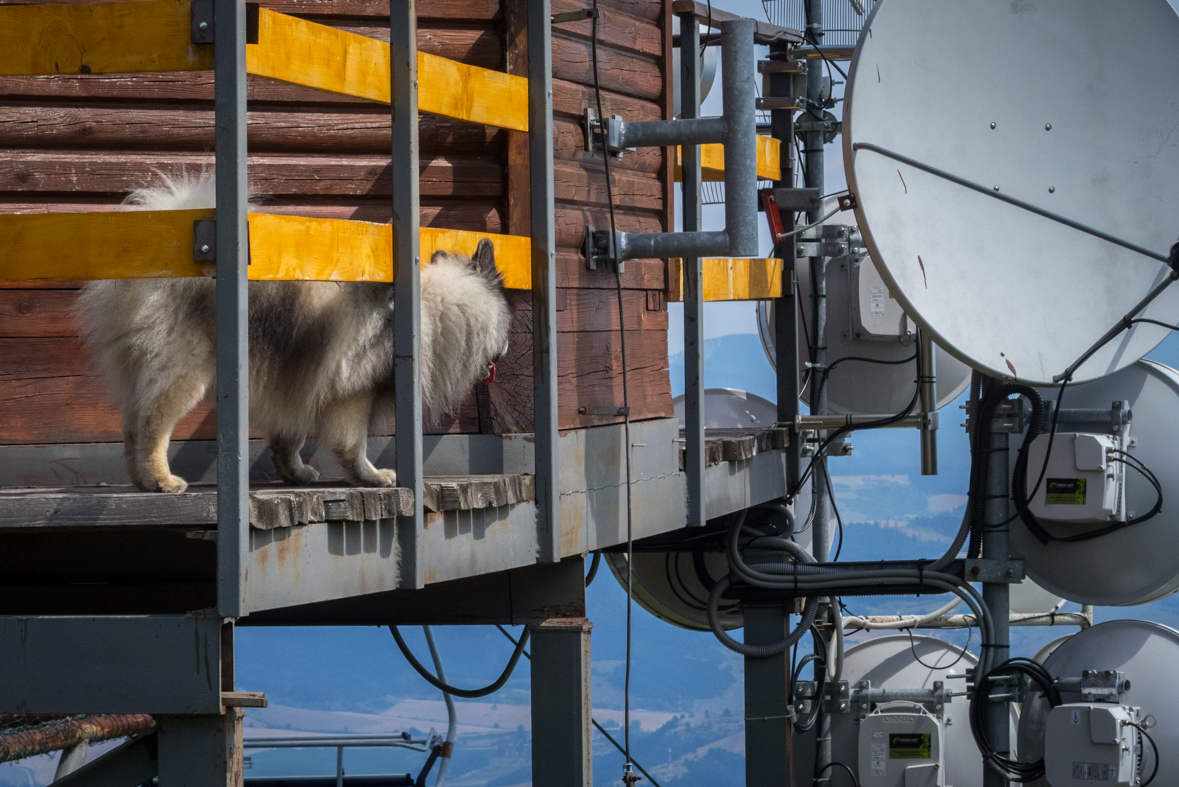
x=270 y=508
x=738 y=445
x=100 y=38
x=464 y=493
x=730 y=279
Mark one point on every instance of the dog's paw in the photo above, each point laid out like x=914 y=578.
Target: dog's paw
x=171 y=483
x=379 y=478
x=302 y=477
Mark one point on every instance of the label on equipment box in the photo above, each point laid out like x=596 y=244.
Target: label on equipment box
x=1064 y=492
x=910 y=746
x=1091 y=771
x=879 y=766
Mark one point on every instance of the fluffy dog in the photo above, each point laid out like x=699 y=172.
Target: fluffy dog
x=321 y=353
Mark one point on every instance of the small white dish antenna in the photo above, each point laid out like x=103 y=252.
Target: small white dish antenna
x=865 y=321
x=891 y=662
x=1138 y=563
x=730 y=408
x=1029 y=598
x=1147 y=653
x=952 y=107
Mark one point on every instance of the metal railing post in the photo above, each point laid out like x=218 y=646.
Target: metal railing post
x=544 y=280
x=403 y=62
x=232 y=247
x=693 y=277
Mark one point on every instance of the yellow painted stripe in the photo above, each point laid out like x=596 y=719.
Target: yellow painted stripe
x=158 y=244
x=83 y=246
x=305 y=53
x=712 y=161
x=99 y=38
x=731 y=279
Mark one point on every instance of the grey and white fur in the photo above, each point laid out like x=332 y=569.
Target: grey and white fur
x=321 y=353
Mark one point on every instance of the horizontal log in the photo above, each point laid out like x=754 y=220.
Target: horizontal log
x=29 y=359
x=616 y=29
x=571 y=221
x=639 y=274
x=486 y=10
x=589 y=375
x=472 y=216
x=78 y=410
x=570 y=100
x=586 y=185
x=580 y=310
x=629 y=74
x=270 y=174
x=37 y=313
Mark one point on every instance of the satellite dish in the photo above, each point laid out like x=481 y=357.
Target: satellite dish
x=1139 y=563
x=1043 y=653
x=1023 y=107
x=1147 y=653
x=707 y=65
x=863 y=320
x=891 y=662
x=730 y=408
x=1028 y=597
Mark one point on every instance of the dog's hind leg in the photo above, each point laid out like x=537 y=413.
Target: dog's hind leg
x=344 y=426
x=284 y=453
x=157 y=419
x=130 y=434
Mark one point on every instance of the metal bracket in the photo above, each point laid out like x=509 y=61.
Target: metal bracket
x=863 y=697
x=793 y=199
x=789 y=104
x=574 y=16
x=836 y=698
x=1102 y=685
x=1003 y=571
x=202 y=21
x=598 y=246
x=1010 y=417
x=204 y=233
x=829 y=240
x=829 y=125
x=598 y=130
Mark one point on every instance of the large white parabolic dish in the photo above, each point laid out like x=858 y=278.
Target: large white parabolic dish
x=1035 y=98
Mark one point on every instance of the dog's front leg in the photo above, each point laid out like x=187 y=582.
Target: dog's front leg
x=284 y=453
x=344 y=426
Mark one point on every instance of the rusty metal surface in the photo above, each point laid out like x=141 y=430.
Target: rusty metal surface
x=50 y=732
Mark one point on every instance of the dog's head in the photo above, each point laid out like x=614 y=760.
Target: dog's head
x=481 y=262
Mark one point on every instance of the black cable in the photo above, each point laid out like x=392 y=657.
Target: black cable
x=625 y=397
x=966 y=647
x=834 y=764
x=1154 y=771
x=1012 y=769
x=595 y=564
x=469 y=694
x=594 y=721
x=838 y=518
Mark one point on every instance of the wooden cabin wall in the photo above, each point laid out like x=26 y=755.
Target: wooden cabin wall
x=81 y=143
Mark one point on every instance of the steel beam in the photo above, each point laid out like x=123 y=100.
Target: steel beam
x=233 y=248
x=148 y=664
x=693 y=278
x=544 y=279
x=768 y=715
x=403 y=58
x=201 y=751
x=561 y=747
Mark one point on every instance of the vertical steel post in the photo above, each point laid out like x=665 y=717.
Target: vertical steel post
x=561 y=746
x=201 y=751
x=928 y=390
x=544 y=279
x=786 y=308
x=739 y=91
x=997 y=594
x=403 y=61
x=693 y=276
x=232 y=246
x=768 y=727
x=815 y=179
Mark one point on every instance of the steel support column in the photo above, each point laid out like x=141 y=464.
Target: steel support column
x=544 y=279
x=768 y=741
x=997 y=595
x=561 y=746
x=403 y=60
x=201 y=751
x=232 y=248
x=693 y=277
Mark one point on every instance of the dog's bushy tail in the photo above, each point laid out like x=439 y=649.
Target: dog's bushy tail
x=180 y=192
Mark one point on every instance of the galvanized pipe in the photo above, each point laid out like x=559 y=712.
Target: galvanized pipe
x=997 y=595
x=827 y=422
x=1021 y=619
x=690 y=130
x=693 y=278
x=928 y=390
